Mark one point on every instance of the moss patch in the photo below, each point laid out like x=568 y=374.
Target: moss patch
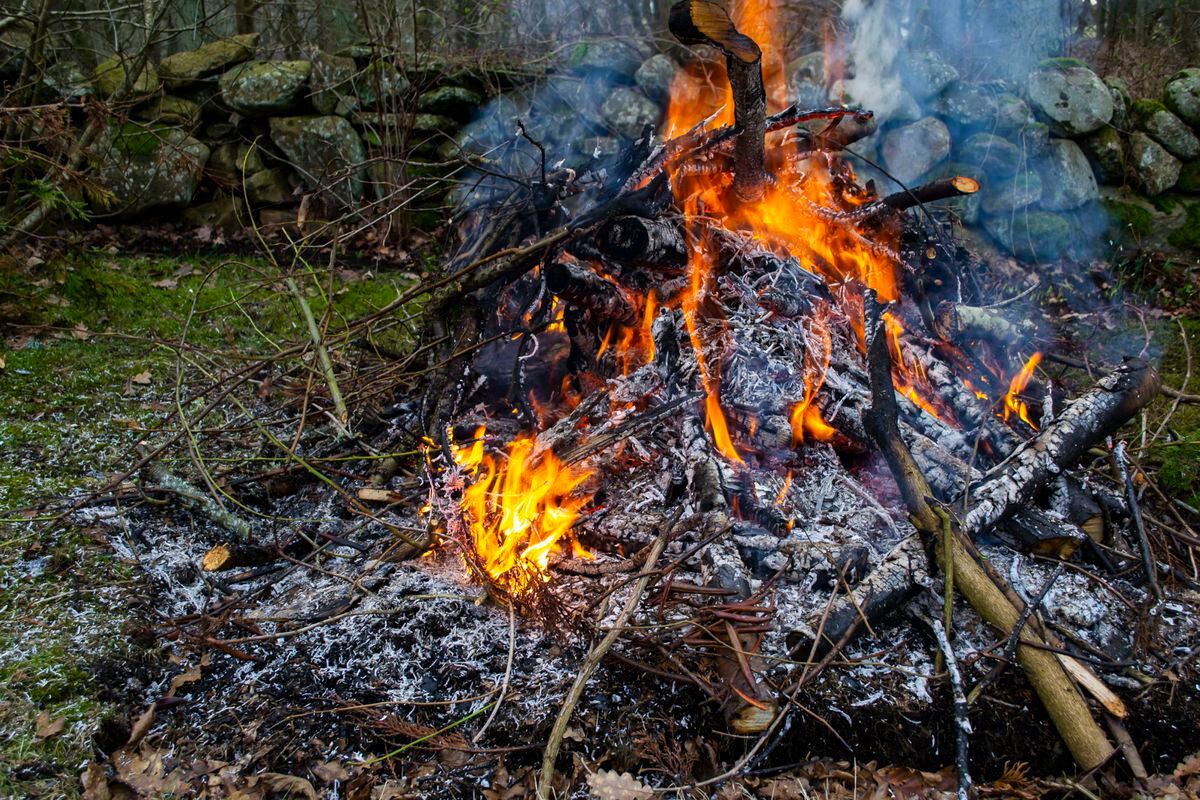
x=1128 y=220
x=1187 y=236
x=1063 y=62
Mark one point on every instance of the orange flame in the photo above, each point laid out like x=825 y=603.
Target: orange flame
x=519 y=511
x=1013 y=404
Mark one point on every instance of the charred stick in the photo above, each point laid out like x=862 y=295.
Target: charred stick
x=1095 y=415
x=957 y=321
x=1135 y=513
x=706 y=22
x=586 y=289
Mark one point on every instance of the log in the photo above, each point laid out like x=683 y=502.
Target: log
x=706 y=22
x=955 y=322
x=1086 y=421
x=587 y=289
x=644 y=242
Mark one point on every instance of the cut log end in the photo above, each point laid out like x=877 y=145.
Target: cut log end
x=706 y=22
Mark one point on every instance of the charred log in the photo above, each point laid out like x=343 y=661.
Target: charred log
x=586 y=289
x=706 y=22
x=657 y=242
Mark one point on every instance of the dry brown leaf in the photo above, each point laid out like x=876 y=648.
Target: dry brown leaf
x=142 y=378
x=292 y=786
x=141 y=726
x=3 y=363
x=191 y=676
x=81 y=332
x=215 y=558
x=165 y=283
x=611 y=785
x=47 y=727
x=330 y=771
x=94 y=781
x=1188 y=767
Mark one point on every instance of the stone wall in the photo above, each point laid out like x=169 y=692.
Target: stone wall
x=231 y=137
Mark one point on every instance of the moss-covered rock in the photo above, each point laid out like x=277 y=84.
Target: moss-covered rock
x=1155 y=169
x=656 y=74
x=270 y=186
x=332 y=84
x=264 y=88
x=450 y=101
x=380 y=86
x=1189 y=178
x=1165 y=128
x=1070 y=97
x=967 y=106
x=326 y=151
x=1012 y=194
x=1128 y=222
x=170 y=110
x=1182 y=96
x=1067 y=178
x=1106 y=153
x=1187 y=236
x=147 y=167
x=1122 y=100
x=183 y=69
x=628 y=112
x=1032 y=235
x=993 y=154
x=110 y=76
x=614 y=58
x=912 y=150
x=66 y=80
x=926 y=74
x=968 y=207
x=231 y=160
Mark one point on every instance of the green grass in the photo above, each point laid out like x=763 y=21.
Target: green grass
x=82 y=328
x=1177 y=460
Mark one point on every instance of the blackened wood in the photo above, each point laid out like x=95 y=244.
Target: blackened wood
x=955 y=322
x=640 y=241
x=587 y=289
x=706 y=22
x=1044 y=534
x=1086 y=421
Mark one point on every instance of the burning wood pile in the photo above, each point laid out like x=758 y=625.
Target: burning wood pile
x=719 y=383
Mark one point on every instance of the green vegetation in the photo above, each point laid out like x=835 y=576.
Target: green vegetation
x=1187 y=237
x=1128 y=220
x=1178 y=459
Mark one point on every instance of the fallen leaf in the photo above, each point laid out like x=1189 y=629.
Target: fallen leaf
x=611 y=785
x=3 y=363
x=330 y=771
x=47 y=727
x=142 y=378
x=191 y=676
x=81 y=332
x=184 y=271
x=215 y=558
x=141 y=725
x=166 y=283
x=292 y=786
x=94 y=781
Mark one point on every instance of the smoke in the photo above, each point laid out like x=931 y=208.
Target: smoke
x=874 y=49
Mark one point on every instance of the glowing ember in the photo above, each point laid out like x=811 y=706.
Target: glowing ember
x=1013 y=404
x=519 y=511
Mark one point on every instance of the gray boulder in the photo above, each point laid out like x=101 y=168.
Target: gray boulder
x=1165 y=128
x=655 y=76
x=967 y=207
x=1033 y=138
x=926 y=75
x=1012 y=194
x=912 y=150
x=380 y=84
x=1182 y=96
x=1070 y=97
x=168 y=110
x=995 y=155
x=264 y=88
x=270 y=187
x=230 y=161
x=1189 y=178
x=612 y=58
x=1106 y=152
x=65 y=80
x=809 y=68
x=970 y=106
x=1032 y=235
x=331 y=89
x=1067 y=178
x=628 y=112
x=1012 y=113
x=1122 y=100
x=1155 y=169
x=326 y=151
x=147 y=168
x=182 y=69
x=450 y=101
